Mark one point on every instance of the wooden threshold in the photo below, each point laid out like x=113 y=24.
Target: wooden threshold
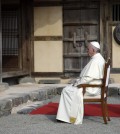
x=75 y=55
x=47 y=74
x=14 y=74
x=80 y=23
x=72 y=70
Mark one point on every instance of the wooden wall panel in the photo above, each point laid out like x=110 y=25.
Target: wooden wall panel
x=81 y=24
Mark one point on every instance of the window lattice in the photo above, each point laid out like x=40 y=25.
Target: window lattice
x=9 y=32
x=116 y=12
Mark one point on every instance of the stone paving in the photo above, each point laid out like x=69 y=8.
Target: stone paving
x=47 y=124
x=26 y=92
x=23 y=98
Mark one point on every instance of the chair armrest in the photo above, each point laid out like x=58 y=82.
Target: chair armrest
x=89 y=85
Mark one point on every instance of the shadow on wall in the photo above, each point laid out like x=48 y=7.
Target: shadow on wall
x=45 y=16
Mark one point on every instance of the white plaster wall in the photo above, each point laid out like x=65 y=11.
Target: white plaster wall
x=116 y=77
x=115 y=52
x=48 y=55
x=47 y=21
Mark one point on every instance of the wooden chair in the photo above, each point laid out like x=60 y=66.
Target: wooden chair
x=102 y=99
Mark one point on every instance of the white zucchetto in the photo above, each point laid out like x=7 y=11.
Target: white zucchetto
x=95 y=44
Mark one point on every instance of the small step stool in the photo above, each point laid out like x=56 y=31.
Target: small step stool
x=115 y=86
x=49 y=81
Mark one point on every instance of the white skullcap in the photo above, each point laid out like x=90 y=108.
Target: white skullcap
x=95 y=44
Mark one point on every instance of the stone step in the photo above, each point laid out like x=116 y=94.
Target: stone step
x=49 y=81
x=22 y=93
x=3 y=86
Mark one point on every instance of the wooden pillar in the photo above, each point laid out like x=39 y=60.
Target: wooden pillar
x=106 y=34
x=3 y=85
x=27 y=31
x=102 y=21
x=30 y=35
x=0 y=45
x=104 y=27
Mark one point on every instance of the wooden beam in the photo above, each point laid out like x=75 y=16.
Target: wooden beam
x=72 y=70
x=15 y=74
x=47 y=3
x=0 y=45
x=47 y=38
x=47 y=74
x=74 y=55
x=87 y=23
x=115 y=70
x=79 y=39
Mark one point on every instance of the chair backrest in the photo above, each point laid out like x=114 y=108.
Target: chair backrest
x=106 y=72
x=106 y=76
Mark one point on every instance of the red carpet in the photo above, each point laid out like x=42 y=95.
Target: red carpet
x=90 y=110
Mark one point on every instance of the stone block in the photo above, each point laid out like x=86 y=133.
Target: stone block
x=27 y=79
x=5 y=107
x=49 y=81
x=3 y=86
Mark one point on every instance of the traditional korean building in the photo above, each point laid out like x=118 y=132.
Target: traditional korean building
x=48 y=38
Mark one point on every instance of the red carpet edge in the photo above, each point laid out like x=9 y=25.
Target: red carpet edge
x=90 y=110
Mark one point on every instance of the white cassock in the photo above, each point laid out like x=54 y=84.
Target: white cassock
x=71 y=102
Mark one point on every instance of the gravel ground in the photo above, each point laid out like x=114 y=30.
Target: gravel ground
x=47 y=124
x=40 y=124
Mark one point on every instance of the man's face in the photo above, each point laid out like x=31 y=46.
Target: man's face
x=90 y=50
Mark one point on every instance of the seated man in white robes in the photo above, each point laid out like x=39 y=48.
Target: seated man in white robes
x=70 y=108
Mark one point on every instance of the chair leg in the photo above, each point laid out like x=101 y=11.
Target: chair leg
x=104 y=112
x=107 y=114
